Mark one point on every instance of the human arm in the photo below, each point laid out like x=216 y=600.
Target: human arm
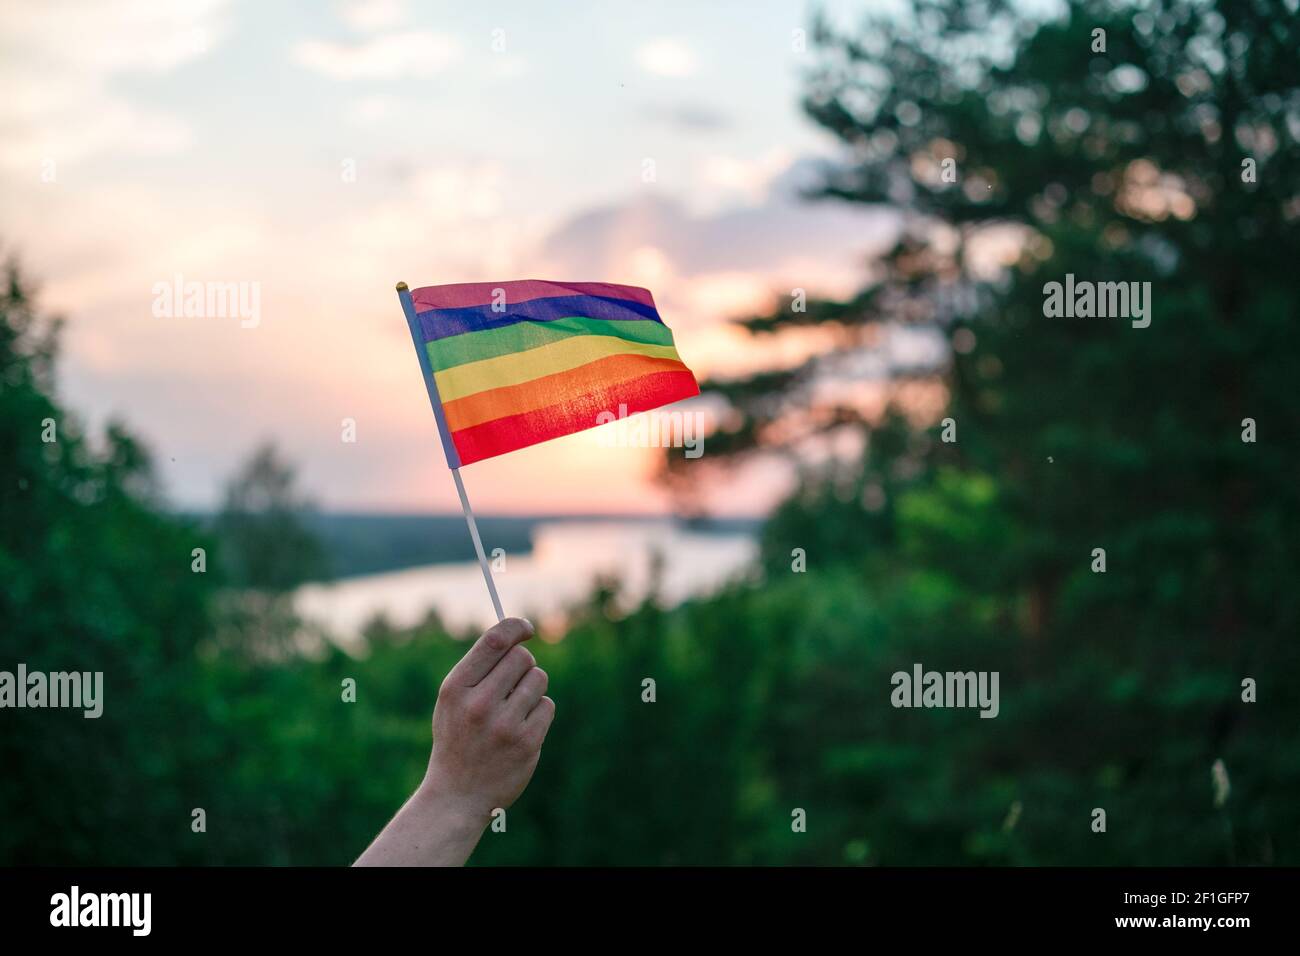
x=488 y=726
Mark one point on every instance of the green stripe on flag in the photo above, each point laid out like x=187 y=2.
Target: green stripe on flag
x=490 y=343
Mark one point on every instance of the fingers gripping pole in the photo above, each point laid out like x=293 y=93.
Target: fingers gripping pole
x=478 y=544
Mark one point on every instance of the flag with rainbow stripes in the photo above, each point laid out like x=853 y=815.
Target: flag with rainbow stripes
x=511 y=364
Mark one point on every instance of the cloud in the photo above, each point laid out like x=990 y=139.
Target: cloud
x=504 y=67
x=708 y=268
x=726 y=178
x=388 y=56
x=111 y=36
x=58 y=60
x=452 y=193
x=689 y=117
x=666 y=56
x=70 y=134
x=821 y=242
x=369 y=16
x=373 y=110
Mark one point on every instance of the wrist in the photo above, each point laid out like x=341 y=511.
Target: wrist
x=433 y=828
x=459 y=812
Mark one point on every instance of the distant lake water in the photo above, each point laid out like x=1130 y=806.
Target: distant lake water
x=566 y=561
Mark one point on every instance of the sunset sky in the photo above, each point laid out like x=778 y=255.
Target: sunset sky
x=326 y=150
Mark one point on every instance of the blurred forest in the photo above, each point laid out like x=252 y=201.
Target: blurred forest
x=1119 y=690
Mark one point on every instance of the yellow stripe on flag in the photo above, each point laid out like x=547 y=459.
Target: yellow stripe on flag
x=519 y=367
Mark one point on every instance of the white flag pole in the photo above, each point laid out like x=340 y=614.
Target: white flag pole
x=478 y=545
x=448 y=446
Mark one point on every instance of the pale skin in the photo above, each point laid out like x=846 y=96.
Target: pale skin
x=489 y=722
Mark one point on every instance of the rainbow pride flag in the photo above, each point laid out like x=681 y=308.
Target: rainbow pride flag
x=511 y=364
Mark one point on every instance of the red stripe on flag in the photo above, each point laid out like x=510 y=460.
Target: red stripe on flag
x=465 y=294
x=512 y=432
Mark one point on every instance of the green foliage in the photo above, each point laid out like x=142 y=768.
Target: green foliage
x=95 y=578
x=1122 y=688
x=265 y=544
